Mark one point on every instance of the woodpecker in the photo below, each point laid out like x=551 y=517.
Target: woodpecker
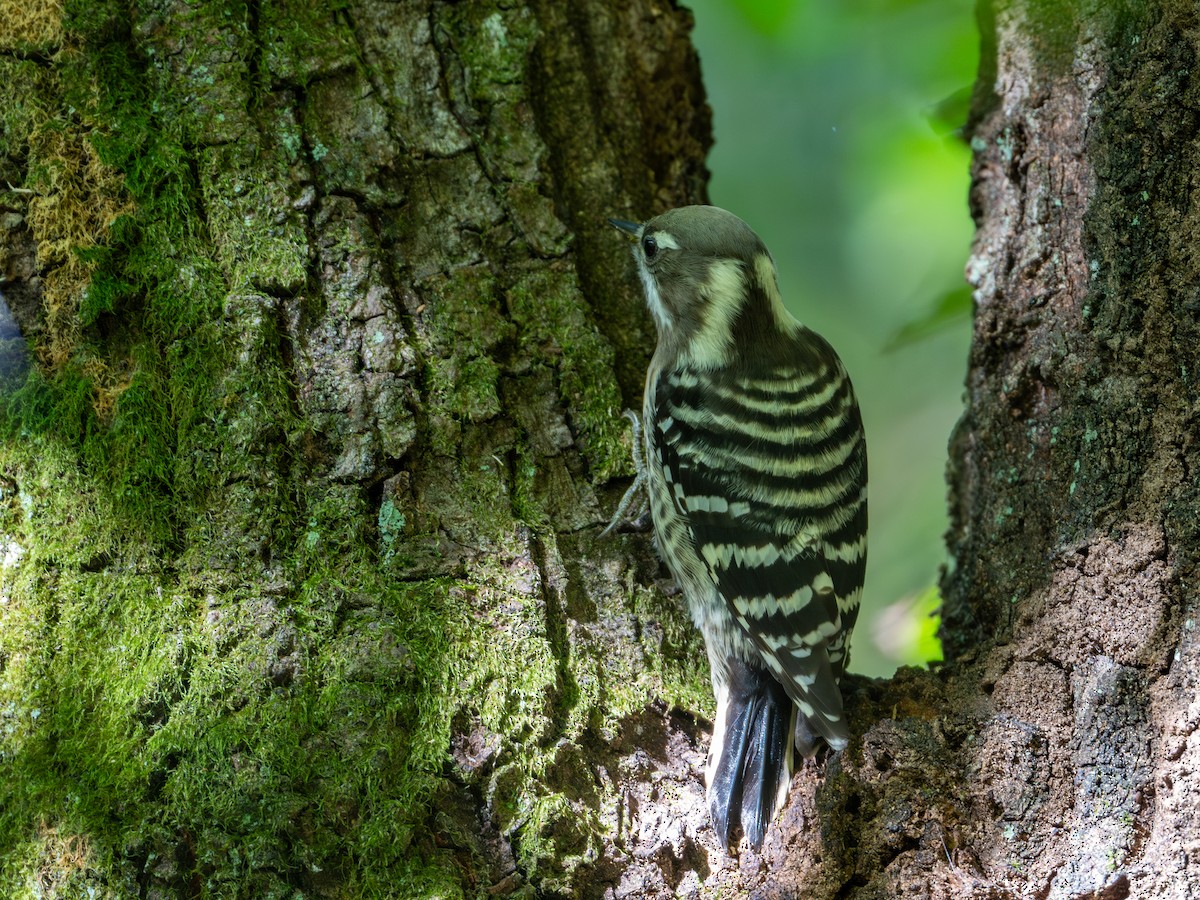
x=755 y=465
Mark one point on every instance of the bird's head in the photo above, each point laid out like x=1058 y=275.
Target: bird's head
x=710 y=285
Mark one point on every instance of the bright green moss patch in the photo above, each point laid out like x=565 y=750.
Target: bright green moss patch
x=98 y=657
x=546 y=303
x=510 y=684
x=258 y=235
x=556 y=830
x=266 y=732
x=77 y=521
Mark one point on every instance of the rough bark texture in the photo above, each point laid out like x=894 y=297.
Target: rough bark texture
x=1075 y=514
x=314 y=422
x=329 y=342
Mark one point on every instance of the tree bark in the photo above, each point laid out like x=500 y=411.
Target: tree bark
x=1074 y=515
x=306 y=461
x=330 y=342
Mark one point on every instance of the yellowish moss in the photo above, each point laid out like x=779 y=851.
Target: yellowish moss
x=74 y=198
x=109 y=380
x=25 y=23
x=75 y=201
x=63 y=858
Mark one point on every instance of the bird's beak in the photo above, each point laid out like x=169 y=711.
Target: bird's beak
x=633 y=229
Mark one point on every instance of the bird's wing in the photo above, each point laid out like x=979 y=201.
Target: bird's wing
x=769 y=472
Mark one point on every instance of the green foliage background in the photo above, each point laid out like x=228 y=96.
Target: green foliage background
x=837 y=139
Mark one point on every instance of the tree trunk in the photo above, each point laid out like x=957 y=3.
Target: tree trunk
x=301 y=587
x=1076 y=523
x=330 y=341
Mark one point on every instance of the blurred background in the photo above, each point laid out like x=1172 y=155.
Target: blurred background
x=837 y=140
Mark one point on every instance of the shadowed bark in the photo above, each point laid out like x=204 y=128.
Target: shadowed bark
x=314 y=420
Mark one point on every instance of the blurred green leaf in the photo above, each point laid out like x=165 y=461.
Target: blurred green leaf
x=767 y=17
x=927 y=611
x=906 y=630
x=952 y=307
x=949 y=114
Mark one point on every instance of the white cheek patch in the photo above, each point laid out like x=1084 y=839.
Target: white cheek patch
x=654 y=300
x=658 y=309
x=722 y=294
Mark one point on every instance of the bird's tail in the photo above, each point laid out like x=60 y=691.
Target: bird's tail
x=750 y=762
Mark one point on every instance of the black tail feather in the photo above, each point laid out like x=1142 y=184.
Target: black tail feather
x=754 y=756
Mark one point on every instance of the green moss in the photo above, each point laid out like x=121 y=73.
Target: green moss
x=462 y=329
x=265 y=732
x=316 y=756
x=300 y=41
x=556 y=830
x=259 y=236
x=464 y=312
x=136 y=448
x=676 y=664
x=529 y=500
x=510 y=685
x=534 y=215
x=548 y=306
x=133 y=385
x=85 y=703
x=494 y=47
x=73 y=519
x=465 y=388
x=281 y=726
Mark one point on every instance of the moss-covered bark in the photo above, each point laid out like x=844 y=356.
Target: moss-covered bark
x=305 y=463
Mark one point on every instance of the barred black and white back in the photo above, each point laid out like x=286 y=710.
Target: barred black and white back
x=756 y=469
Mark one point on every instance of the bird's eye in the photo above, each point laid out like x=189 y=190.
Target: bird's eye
x=649 y=247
